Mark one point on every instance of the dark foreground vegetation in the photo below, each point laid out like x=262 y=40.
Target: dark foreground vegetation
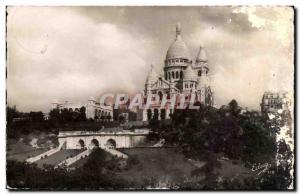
x=206 y=135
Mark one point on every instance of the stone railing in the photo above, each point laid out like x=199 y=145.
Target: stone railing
x=115 y=152
x=74 y=159
x=45 y=154
x=104 y=132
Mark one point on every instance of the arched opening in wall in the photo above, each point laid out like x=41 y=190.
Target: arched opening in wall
x=181 y=74
x=173 y=75
x=109 y=116
x=155 y=115
x=177 y=74
x=111 y=144
x=163 y=114
x=199 y=73
x=81 y=144
x=94 y=143
x=149 y=114
x=160 y=95
x=169 y=74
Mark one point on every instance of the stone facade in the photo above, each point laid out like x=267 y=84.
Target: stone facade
x=181 y=75
x=103 y=139
x=94 y=110
x=272 y=102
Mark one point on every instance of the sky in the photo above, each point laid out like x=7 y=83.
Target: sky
x=73 y=53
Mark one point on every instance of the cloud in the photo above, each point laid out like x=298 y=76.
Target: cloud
x=82 y=58
x=71 y=53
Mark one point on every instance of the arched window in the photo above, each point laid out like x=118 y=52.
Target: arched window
x=177 y=74
x=160 y=95
x=173 y=75
x=149 y=114
x=94 y=143
x=199 y=73
x=169 y=74
x=81 y=143
x=111 y=144
x=181 y=74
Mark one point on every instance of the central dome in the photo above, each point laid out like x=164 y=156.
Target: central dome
x=178 y=49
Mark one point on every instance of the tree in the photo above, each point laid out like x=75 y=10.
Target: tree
x=82 y=111
x=11 y=113
x=36 y=116
x=234 y=107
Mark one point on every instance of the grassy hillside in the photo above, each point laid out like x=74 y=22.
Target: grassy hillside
x=157 y=164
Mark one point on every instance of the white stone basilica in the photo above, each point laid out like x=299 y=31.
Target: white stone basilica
x=182 y=75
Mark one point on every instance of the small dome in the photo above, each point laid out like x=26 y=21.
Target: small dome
x=178 y=49
x=201 y=57
x=189 y=74
x=152 y=76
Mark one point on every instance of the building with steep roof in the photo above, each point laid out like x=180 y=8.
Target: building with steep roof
x=181 y=75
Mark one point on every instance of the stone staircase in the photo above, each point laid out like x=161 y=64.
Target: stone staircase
x=45 y=154
x=115 y=152
x=74 y=159
x=87 y=152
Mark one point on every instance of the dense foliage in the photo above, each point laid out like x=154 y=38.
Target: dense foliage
x=97 y=173
x=207 y=134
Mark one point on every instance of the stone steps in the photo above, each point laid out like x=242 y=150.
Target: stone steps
x=45 y=154
x=74 y=159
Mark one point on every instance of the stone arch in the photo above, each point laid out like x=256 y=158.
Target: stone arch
x=111 y=144
x=173 y=75
x=160 y=95
x=163 y=114
x=81 y=143
x=155 y=114
x=94 y=143
x=199 y=73
x=149 y=114
x=177 y=74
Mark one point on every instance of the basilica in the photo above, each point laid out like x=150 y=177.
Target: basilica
x=182 y=75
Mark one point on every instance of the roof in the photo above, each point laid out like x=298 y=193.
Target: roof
x=201 y=57
x=178 y=48
x=189 y=74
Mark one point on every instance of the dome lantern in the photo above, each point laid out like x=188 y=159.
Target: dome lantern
x=178 y=49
